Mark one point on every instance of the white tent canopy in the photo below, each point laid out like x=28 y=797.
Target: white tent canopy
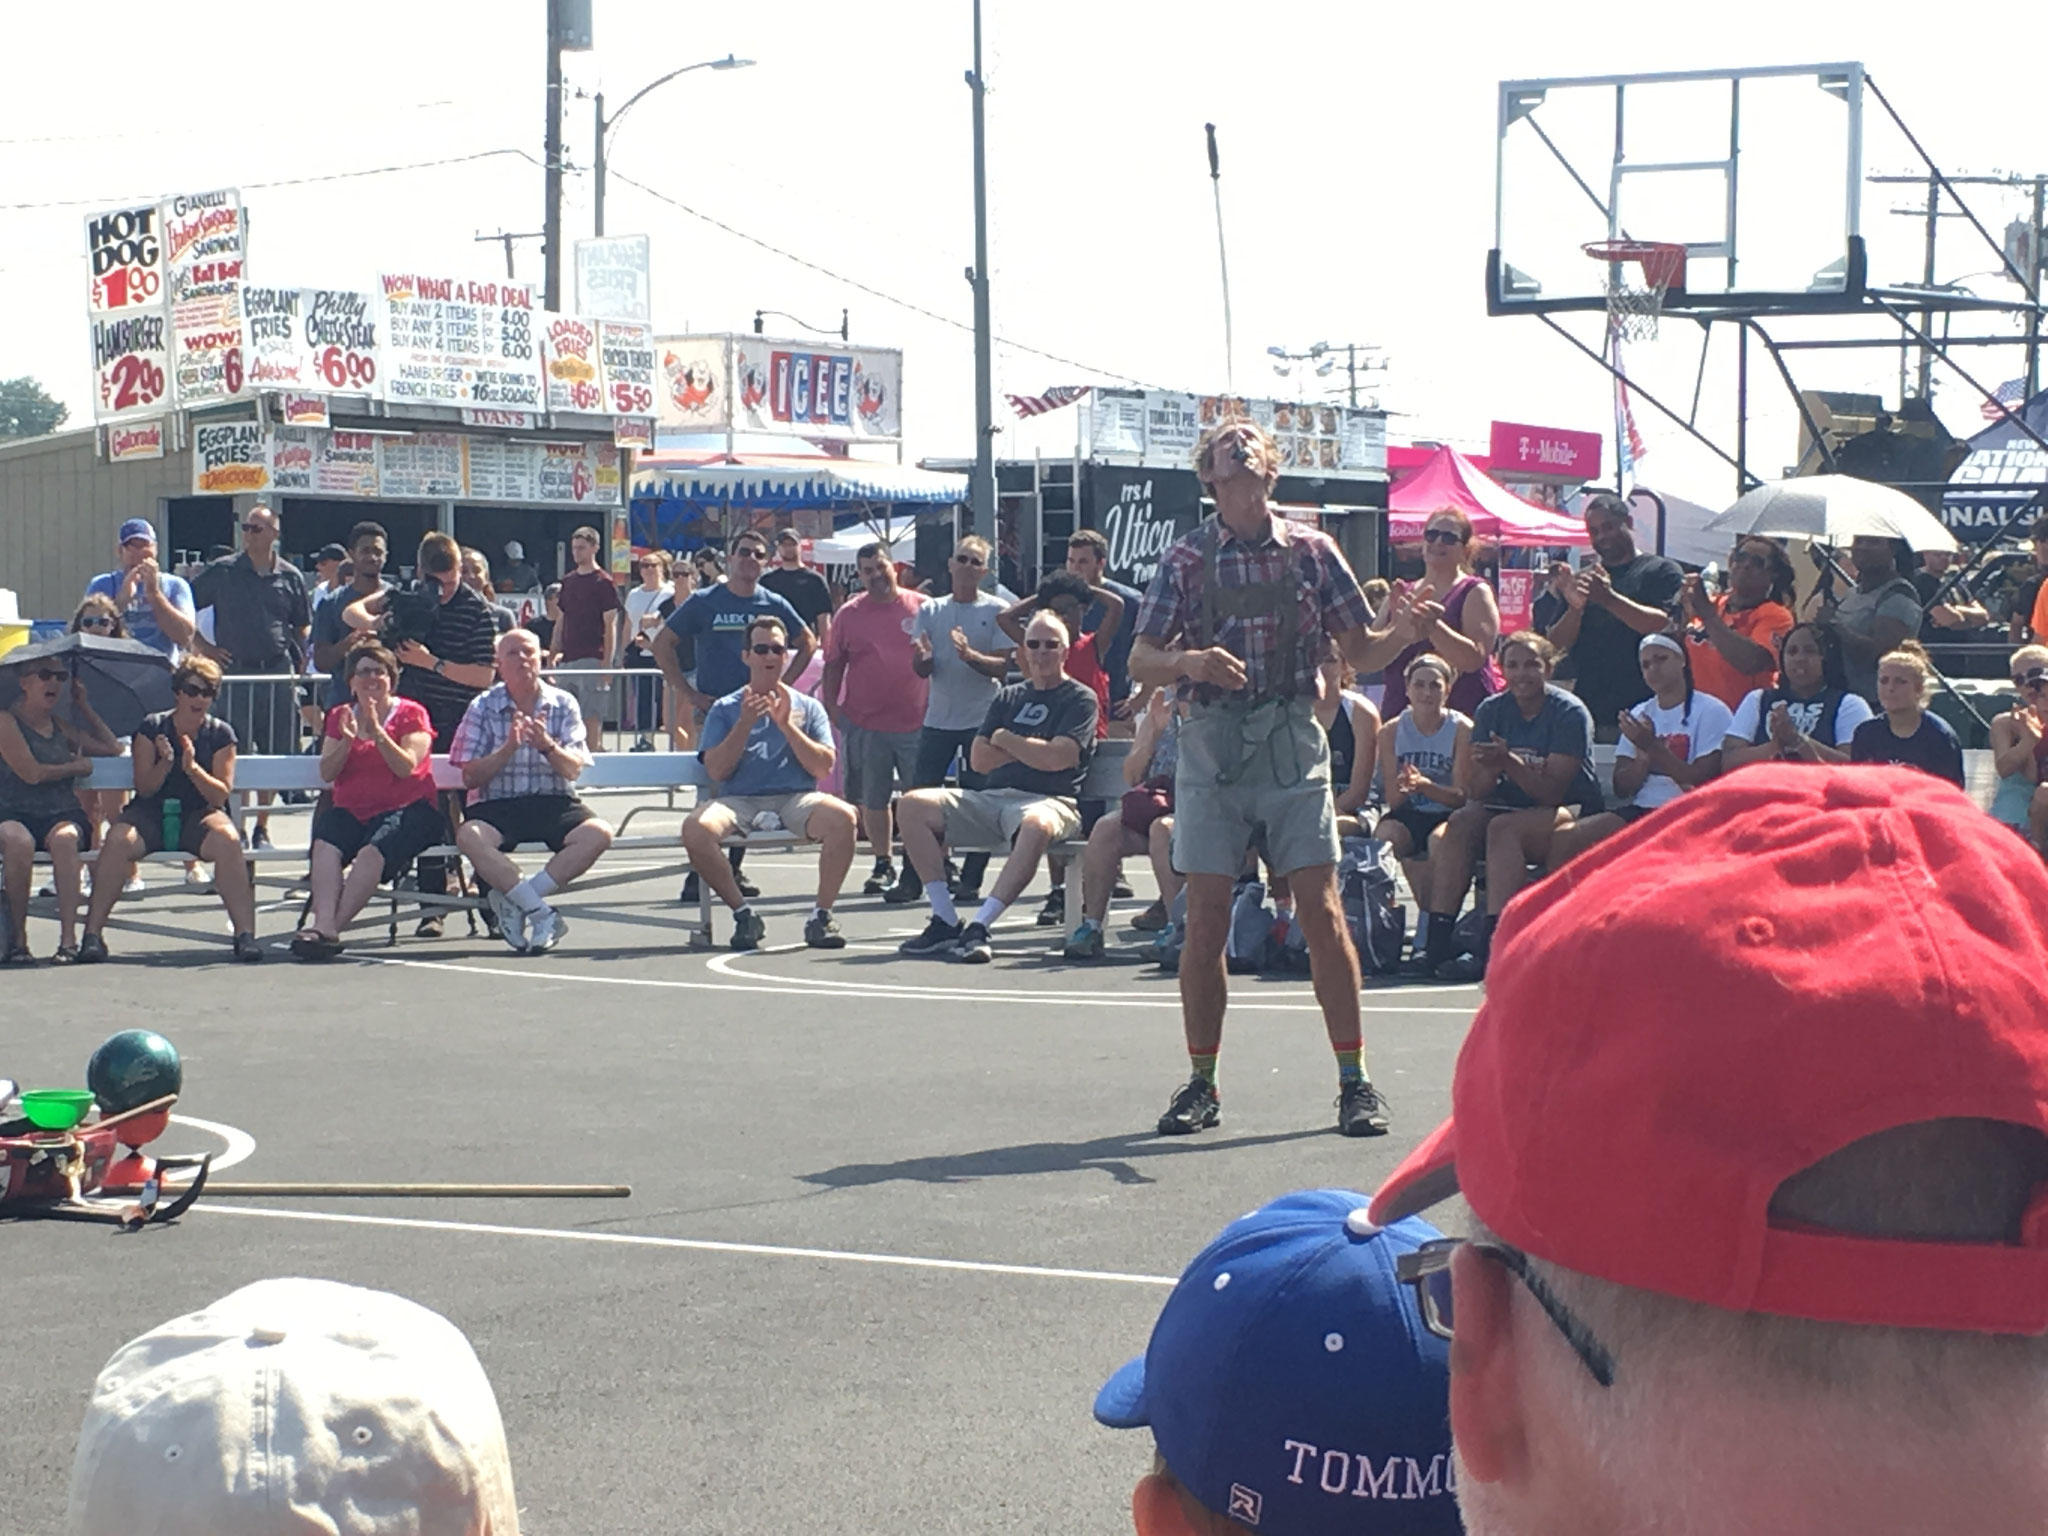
x=847 y=543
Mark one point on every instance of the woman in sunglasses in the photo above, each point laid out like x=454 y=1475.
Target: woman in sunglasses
x=1449 y=613
x=184 y=778
x=42 y=759
x=2019 y=750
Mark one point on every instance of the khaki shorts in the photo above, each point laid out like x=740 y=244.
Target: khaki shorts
x=989 y=818
x=794 y=810
x=1252 y=774
x=593 y=695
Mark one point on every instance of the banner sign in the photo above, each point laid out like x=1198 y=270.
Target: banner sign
x=339 y=331
x=131 y=359
x=135 y=440
x=424 y=466
x=612 y=278
x=633 y=431
x=692 y=395
x=511 y=421
x=448 y=341
x=788 y=388
x=204 y=255
x=568 y=474
x=570 y=356
x=626 y=351
x=301 y=410
x=323 y=463
x=275 y=355
x=1515 y=449
x=125 y=256
x=1162 y=428
x=230 y=457
x=1141 y=513
x=1517 y=598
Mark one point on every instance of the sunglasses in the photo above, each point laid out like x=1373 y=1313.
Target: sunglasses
x=749 y=552
x=45 y=675
x=770 y=650
x=256 y=527
x=1428 y=1269
x=2038 y=678
x=1045 y=645
x=1741 y=557
x=97 y=621
x=1442 y=536
x=969 y=560
x=198 y=691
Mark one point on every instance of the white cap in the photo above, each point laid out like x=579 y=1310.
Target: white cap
x=515 y=550
x=289 y=1407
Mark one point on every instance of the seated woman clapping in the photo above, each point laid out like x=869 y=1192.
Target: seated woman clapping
x=1809 y=716
x=381 y=815
x=1669 y=743
x=2019 y=750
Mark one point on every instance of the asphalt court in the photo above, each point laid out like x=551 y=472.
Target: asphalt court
x=893 y=1220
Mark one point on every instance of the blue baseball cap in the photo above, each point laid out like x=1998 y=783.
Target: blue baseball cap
x=137 y=528
x=1290 y=1384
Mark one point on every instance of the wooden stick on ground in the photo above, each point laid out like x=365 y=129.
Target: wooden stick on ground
x=405 y=1191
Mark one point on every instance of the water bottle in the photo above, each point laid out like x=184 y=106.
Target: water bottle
x=174 y=823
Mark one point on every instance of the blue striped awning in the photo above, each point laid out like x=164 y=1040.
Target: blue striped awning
x=792 y=487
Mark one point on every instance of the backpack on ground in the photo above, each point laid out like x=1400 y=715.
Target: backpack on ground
x=1249 y=948
x=1367 y=883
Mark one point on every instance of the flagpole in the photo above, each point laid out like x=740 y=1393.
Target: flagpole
x=1222 y=259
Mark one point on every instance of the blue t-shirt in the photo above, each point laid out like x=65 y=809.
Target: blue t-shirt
x=1118 y=662
x=767 y=767
x=1563 y=727
x=717 y=619
x=140 y=618
x=1933 y=748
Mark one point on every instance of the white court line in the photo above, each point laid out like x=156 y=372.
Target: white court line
x=693 y=1244
x=241 y=1146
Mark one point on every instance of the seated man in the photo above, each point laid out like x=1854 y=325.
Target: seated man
x=1289 y=1386
x=767 y=746
x=290 y=1406
x=1032 y=752
x=521 y=749
x=1143 y=824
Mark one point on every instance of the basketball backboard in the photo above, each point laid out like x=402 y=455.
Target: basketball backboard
x=1758 y=172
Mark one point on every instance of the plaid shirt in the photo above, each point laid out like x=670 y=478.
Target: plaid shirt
x=1330 y=604
x=487 y=726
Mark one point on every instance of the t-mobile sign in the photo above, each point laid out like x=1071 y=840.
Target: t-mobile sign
x=1558 y=451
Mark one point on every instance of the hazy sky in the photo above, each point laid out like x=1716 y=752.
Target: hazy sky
x=1358 y=149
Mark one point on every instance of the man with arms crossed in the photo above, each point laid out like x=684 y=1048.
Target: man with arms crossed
x=521 y=749
x=1239 y=618
x=1032 y=752
x=767 y=746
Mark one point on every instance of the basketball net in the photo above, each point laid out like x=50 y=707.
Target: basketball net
x=1639 y=274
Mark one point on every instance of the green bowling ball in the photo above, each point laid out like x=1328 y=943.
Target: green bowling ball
x=134 y=1067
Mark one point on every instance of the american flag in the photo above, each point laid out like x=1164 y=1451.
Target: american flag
x=1628 y=441
x=2005 y=400
x=1051 y=400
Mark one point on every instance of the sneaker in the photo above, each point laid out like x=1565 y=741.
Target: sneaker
x=907 y=888
x=1194 y=1108
x=692 y=891
x=260 y=838
x=1054 y=912
x=544 y=930
x=939 y=937
x=748 y=930
x=644 y=744
x=1465 y=968
x=1360 y=1109
x=1152 y=920
x=134 y=887
x=431 y=927
x=974 y=947
x=247 y=950
x=822 y=932
x=747 y=887
x=510 y=918
x=880 y=878
x=92 y=949
x=1086 y=944
x=1121 y=891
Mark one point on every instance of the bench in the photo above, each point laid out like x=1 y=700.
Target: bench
x=609 y=773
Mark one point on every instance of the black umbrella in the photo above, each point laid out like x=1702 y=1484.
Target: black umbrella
x=124 y=679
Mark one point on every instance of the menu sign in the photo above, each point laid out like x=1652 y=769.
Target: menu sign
x=454 y=342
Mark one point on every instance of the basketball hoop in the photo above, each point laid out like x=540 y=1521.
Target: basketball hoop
x=1636 y=299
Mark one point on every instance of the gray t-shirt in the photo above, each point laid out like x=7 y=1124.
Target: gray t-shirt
x=1562 y=727
x=959 y=696
x=1858 y=615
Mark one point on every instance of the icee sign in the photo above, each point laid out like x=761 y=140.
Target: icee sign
x=848 y=393
x=811 y=388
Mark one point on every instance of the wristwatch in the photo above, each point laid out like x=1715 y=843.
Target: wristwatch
x=440 y=666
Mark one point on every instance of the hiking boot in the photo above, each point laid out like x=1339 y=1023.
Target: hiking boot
x=822 y=932
x=1360 y=1109
x=880 y=878
x=938 y=938
x=974 y=947
x=1054 y=912
x=1194 y=1108
x=748 y=930
x=1152 y=920
x=1086 y=944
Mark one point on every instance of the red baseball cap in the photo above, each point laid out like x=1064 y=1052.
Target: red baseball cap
x=1770 y=968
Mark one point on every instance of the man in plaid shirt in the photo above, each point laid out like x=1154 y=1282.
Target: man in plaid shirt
x=521 y=749
x=1238 y=619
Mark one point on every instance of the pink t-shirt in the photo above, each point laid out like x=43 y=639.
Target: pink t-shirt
x=367 y=787
x=880 y=690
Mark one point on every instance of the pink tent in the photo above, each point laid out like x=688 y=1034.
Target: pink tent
x=1449 y=479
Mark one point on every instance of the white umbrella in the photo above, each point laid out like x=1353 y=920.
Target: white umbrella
x=1833 y=509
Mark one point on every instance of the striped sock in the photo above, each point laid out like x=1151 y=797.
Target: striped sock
x=1205 y=1067
x=1350 y=1060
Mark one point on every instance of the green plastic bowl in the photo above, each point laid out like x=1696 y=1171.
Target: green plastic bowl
x=56 y=1109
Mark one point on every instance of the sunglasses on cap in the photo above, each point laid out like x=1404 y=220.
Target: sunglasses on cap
x=198 y=690
x=2037 y=678
x=1045 y=645
x=1428 y=1270
x=1442 y=536
x=769 y=650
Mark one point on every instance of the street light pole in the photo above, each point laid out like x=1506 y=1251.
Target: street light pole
x=602 y=126
x=597 y=165
x=981 y=512
x=551 y=151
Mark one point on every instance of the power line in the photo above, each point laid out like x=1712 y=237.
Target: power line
x=293 y=181
x=873 y=292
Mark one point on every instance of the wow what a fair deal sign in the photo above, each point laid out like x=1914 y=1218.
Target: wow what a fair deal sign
x=448 y=341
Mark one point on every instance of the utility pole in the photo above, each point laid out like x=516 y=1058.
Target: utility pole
x=507 y=237
x=551 y=154
x=597 y=164
x=2034 y=291
x=981 y=511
